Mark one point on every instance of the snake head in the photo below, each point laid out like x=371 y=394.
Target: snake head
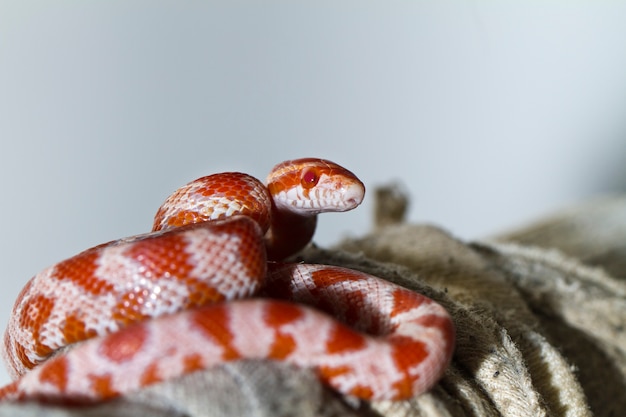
x=310 y=186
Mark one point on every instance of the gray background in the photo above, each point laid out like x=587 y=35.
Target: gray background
x=490 y=113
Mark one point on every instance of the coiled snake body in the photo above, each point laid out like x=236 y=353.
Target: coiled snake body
x=152 y=307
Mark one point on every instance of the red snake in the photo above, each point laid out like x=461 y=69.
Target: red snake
x=150 y=307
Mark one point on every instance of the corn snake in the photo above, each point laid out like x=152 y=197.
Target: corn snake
x=150 y=307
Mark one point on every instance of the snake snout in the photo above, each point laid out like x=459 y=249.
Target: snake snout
x=352 y=195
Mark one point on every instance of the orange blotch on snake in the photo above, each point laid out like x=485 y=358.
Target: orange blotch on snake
x=102 y=385
x=445 y=326
x=404 y=388
x=362 y=391
x=193 y=362
x=9 y=390
x=202 y=293
x=36 y=312
x=407 y=352
x=128 y=308
x=162 y=256
x=81 y=270
x=343 y=339
x=283 y=346
x=435 y=321
x=327 y=373
x=404 y=300
x=335 y=282
x=183 y=217
x=213 y=323
x=151 y=375
x=280 y=313
x=35 y=315
x=123 y=345
x=55 y=373
x=74 y=330
x=333 y=275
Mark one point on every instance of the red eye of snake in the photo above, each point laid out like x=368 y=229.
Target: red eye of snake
x=309 y=178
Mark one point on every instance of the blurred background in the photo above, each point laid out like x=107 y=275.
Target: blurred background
x=491 y=114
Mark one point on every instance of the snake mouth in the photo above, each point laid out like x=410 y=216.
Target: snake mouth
x=345 y=198
x=335 y=198
x=354 y=194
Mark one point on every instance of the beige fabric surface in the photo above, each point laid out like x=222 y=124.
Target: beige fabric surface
x=541 y=327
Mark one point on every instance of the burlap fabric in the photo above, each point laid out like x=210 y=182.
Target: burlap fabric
x=540 y=315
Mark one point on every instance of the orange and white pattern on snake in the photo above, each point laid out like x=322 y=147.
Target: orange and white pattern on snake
x=190 y=262
x=109 y=286
x=415 y=335
x=215 y=197
x=167 y=347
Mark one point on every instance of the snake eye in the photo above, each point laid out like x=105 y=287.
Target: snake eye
x=309 y=179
